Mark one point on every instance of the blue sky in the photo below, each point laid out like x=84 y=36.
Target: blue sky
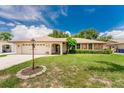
x=66 y=18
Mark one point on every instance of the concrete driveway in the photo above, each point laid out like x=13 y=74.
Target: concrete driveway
x=11 y=60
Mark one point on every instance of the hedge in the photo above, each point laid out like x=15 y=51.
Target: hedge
x=80 y=51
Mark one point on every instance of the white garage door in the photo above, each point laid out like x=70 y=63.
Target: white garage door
x=39 y=49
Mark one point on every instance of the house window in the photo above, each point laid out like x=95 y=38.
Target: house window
x=78 y=46
x=90 y=46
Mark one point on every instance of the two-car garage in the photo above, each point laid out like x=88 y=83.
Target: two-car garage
x=27 y=49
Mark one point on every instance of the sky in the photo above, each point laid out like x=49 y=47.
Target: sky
x=36 y=21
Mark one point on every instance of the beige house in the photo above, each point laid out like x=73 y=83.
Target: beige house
x=50 y=45
x=116 y=45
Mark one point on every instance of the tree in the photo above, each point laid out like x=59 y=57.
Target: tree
x=88 y=34
x=5 y=36
x=59 y=34
x=104 y=38
x=71 y=44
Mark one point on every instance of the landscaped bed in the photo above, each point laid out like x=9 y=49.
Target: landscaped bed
x=30 y=71
x=74 y=70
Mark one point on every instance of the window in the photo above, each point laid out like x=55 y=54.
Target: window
x=90 y=46
x=78 y=46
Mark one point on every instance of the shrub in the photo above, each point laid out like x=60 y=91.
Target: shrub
x=72 y=51
x=80 y=51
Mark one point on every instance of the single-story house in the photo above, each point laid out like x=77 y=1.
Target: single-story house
x=50 y=45
x=116 y=45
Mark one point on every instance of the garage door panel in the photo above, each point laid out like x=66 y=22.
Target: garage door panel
x=26 y=50
x=37 y=50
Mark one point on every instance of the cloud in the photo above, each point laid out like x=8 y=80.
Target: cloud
x=54 y=14
x=6 y=24
x=2 y=23
x=64 y=10
x=24 y=32
x=33 y=13
x=90 y=10
x=68 y=32
x=116 y=34
x=24 y=13
x=19 y=12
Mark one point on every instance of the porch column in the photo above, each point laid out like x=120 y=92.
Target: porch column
x=93 y=46
x=87 y=46
x=61 y=49
x=50 y=49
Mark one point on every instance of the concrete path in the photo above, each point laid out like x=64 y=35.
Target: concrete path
x=11 y=60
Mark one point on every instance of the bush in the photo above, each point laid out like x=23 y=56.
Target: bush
x=73 y=51
x=80 y=51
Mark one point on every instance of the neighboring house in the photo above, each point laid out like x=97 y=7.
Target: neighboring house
x=6 y=47
x=50 y=45
x=116 y=45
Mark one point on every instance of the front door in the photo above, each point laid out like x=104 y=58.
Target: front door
x=57 y=49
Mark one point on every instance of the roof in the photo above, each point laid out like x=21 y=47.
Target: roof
x=83 y=40
x=116 y=41
x=52 y=39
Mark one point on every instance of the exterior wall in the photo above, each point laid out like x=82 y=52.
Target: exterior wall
x=121 y=46
x=40 y=47
x=84 y=46
x=18 y=48
x=47 y=47
x=64 y=48
x=26 y=48
x=95 y=46
x=98 y=46
x=116 y=47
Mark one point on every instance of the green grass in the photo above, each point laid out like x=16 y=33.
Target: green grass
x=3 y=55
x=76 y=70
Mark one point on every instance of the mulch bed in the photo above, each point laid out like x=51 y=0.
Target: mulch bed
x=30 y=71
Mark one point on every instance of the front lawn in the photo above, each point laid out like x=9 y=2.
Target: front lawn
x=76 y=70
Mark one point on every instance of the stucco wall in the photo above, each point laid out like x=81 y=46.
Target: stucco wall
x=98 y=46
x=121 y=46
